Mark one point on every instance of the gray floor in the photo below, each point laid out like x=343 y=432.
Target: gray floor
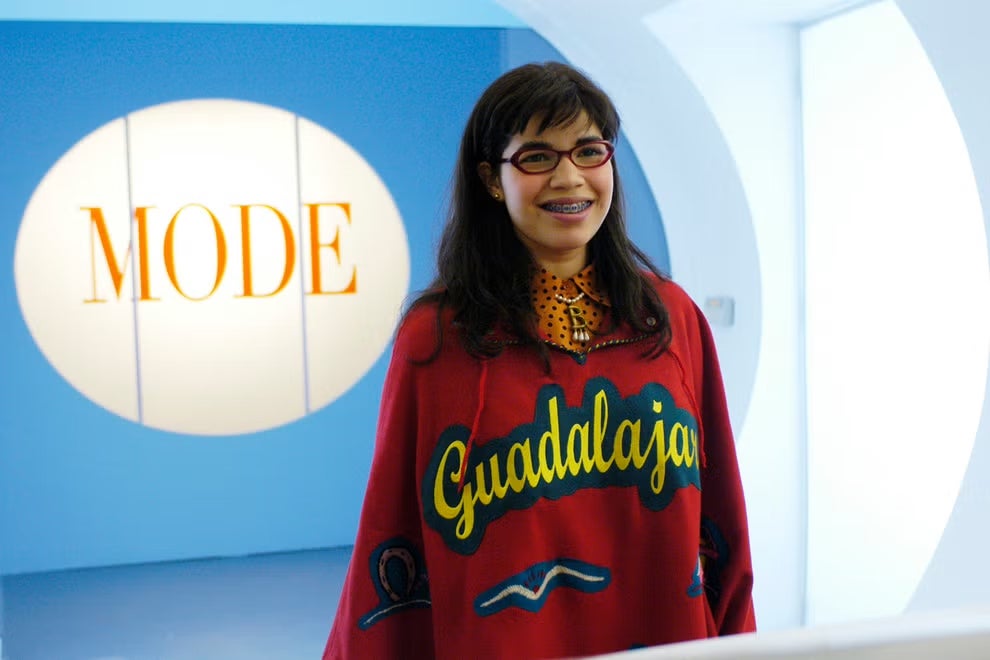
x=272 y=607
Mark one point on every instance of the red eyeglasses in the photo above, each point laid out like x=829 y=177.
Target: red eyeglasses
x=540 y=160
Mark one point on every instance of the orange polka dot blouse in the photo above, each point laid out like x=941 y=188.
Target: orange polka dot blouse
x=571 y=311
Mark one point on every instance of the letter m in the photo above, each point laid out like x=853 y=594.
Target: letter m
x=118 y=268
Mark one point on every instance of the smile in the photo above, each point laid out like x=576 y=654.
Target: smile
x=576 y=207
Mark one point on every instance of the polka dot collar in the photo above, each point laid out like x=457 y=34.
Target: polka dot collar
x=572 y=311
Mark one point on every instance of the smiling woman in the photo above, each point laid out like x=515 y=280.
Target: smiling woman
x=556 y=480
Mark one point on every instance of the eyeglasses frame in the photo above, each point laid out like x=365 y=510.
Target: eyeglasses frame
x=514 y=158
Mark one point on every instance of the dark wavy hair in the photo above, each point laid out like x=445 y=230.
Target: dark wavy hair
x=484 y=272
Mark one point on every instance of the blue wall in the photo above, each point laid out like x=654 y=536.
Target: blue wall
x=82 y=487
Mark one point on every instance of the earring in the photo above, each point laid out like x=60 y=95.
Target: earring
x=497 y=196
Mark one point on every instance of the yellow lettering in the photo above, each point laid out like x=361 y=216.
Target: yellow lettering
x=578 y=433
x=674 y=452
x=440 y=503
x=626 y=427
x=517 y=482
x=600 y=420
x=692 y=457
x=659 y=473
x=551 y=464
x=499 y=488
x=465 y=507
x=480 y=493
x=522 y=468
x=465 y=524
x=639 y=457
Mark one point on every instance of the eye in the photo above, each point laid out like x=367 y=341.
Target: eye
x=536 y=156
x=591 y=151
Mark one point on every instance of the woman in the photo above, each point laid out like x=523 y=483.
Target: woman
x=554 y=473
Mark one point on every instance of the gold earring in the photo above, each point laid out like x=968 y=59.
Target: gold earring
x=497 y=195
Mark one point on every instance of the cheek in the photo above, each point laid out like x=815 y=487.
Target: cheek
x=515 y=205
x=527 y=185
x=521 y=192
x=607 y=192
x=605 y=188
x=607 y=183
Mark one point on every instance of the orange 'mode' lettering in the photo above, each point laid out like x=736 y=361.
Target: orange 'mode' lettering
x=290 y=250
x=117 y=271
x=315 y=245
x=170 y=251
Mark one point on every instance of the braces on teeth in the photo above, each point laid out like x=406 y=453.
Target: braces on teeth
x=567 y=208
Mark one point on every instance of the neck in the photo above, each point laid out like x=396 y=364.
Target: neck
x=565 y=266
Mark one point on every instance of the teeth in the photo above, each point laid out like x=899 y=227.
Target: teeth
x=577 y=207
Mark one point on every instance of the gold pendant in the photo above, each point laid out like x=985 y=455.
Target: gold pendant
x=579 y=327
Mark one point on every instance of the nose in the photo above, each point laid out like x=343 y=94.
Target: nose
x=566 y=174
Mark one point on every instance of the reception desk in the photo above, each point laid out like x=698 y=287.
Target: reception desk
x=944 y=635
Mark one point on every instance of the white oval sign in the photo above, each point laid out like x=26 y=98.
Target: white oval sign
x=211 y=267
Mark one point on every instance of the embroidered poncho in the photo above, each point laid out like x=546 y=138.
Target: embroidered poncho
x=597 y=508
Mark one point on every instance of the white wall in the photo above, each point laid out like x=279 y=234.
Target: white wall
x=954 y=34
x=748 y=75
x=895 y=249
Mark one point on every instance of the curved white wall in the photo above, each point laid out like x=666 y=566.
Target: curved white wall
x=746 y=73
x=954 y=34
x=898 y=309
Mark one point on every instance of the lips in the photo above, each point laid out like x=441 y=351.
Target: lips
x=566 y=207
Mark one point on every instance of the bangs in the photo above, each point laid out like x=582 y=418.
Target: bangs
x=552 y=113
x=557 y=102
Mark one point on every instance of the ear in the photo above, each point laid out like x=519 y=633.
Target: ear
x=490 y=180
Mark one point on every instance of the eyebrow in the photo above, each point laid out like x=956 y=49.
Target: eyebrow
x=541 y=144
